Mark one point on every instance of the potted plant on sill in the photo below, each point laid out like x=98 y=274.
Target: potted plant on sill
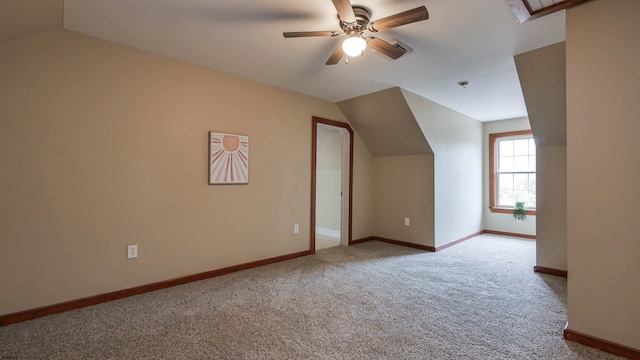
x=519 y=211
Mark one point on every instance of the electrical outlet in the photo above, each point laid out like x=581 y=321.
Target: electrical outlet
x=296 y=229
x=406 y=221
x=132 y=251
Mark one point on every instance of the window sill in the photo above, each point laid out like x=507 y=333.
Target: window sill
x=506 y=210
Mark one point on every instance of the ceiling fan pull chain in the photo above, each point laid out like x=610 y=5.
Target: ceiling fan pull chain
x=346 y=59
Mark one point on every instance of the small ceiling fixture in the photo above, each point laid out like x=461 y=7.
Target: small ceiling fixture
x=463 y=83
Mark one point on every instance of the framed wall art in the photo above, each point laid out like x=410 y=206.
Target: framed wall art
x=228 y=158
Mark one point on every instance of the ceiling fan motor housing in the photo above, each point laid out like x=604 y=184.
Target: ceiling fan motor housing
x=362 y=15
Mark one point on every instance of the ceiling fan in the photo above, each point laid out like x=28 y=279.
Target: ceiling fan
x=354 y=22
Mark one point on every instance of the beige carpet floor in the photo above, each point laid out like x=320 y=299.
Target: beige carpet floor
x=477 y=300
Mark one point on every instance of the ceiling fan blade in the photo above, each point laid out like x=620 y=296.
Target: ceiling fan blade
x=338 y=54
x=403 y=18
x=294 y=34
x=345 y=11
x=385 y=48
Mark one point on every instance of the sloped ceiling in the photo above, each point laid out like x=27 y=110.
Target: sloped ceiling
x=543 y=79
x=462 y=40
x=22 y=18
x=472 y=40
x=386 y=124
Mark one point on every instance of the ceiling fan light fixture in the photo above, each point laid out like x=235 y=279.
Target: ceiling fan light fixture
x=354 y=45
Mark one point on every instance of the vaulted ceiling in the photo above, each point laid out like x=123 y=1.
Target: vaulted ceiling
x=468 y=40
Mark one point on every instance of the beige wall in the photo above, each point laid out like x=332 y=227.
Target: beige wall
x=500 y=221
x=363 y=191
x=386 y=123
x=542 y=74
x=102 y=146
x=551 y=192
x=393 y=136
x=603 y=169
x=456 y=141
x=20 y=18
x=454 y=178
x=404 y=188
x=542 y=77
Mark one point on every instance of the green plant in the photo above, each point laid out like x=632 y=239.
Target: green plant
x=519 y=211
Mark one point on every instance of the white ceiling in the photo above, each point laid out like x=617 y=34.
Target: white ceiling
x=472 y=40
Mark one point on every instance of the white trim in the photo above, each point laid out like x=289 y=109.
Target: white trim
x=328 y=232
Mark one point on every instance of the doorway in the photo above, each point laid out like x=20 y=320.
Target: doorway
x=331 y=184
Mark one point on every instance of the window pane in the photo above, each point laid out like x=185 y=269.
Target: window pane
x=521 y=182
x=505 y=198
x=532 y=191
x=532 y=163
x=521 y=195
x=505 y=164
x=505 y=147
x=532 y=147
x=532 y=200
x=520 y=163
x=521 y=147
x=505 y=181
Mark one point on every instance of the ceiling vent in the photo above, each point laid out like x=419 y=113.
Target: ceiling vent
x=397 y=44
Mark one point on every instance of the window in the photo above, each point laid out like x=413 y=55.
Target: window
x=512 y=171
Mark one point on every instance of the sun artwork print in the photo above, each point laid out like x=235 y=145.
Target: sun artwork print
x=228 y=159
